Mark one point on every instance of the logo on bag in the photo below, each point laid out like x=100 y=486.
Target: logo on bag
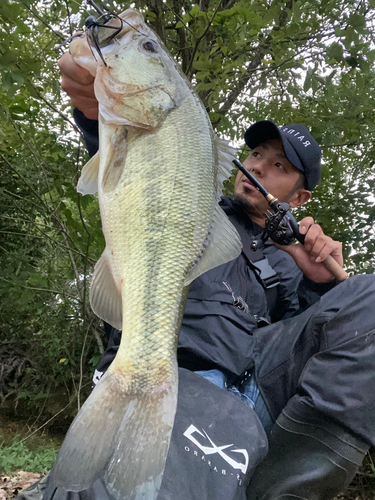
x=210 y=448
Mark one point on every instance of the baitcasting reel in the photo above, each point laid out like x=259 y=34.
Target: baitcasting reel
x=280 y=225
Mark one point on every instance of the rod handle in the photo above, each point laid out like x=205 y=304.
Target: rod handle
x=329 y=263
x=334 y=268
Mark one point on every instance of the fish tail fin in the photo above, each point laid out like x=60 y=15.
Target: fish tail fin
x=118 y=443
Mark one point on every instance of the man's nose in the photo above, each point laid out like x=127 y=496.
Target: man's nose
x=256 y=168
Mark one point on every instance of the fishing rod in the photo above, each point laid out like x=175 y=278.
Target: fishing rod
x=282 y=227
x=99 y=11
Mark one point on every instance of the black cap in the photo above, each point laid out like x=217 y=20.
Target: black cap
x=300 y=147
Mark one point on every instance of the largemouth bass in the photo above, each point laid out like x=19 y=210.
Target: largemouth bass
x=159 y=174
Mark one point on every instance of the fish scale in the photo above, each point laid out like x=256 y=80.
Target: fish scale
x=157 y=177
x=167 y=285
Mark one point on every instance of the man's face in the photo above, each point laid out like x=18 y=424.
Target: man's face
x=269 y=165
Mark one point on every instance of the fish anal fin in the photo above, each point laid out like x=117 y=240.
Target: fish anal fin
x=222 y=245
x=118 y=438
x=105 y=298
x=88 y=182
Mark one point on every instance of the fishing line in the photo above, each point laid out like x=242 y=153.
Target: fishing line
x=110 y=14
x=71 y=37
x=92 y=24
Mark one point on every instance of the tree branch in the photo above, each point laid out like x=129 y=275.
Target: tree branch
x=185 y=50
x=157 y=8
x=76 y=129
x=62 y=37
x=200 y=38
x=254 y=62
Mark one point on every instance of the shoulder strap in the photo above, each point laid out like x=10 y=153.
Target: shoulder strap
x=258 y=262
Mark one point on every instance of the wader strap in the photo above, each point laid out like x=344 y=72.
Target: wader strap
x=258 y=262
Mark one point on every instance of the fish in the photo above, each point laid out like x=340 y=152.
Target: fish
x=159 y=176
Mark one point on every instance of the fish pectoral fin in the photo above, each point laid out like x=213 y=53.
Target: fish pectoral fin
x=221 y=245
x=88 y=182
x=105 y=298
x=119 y=439
x=226 y=155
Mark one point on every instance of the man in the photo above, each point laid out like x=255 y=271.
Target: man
x=257 y=327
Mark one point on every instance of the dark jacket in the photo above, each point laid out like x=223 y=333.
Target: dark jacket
x=226 y=304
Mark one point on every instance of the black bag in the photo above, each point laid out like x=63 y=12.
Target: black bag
x=217 y=441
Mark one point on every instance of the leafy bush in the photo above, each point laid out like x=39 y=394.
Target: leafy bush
x=18 y=456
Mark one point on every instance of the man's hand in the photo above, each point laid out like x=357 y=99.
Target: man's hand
x=78 y=83
x=316 y=249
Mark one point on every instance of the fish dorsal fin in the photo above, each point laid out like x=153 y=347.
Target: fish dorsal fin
x=226 y=155
x=88 y=182
x=105 y=298
x=221 y=245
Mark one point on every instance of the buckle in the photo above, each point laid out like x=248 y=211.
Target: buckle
x=266 y=274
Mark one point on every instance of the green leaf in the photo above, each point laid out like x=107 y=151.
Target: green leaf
x=17 y=77
x=339 y=31
x=200 y=65
x=194 y=11
x=6 y=81
x=296 y=9
x=150 y=15
x=335 y=51
x=358 y=21
x=307 y=83
x=352 y=61
x=270 y=15
x=8 y=60
x=204 y=86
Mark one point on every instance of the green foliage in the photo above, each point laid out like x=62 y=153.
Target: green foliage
x=18 y=456
x=289 y=61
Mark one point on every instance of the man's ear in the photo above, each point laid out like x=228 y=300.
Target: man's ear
x=299 y=197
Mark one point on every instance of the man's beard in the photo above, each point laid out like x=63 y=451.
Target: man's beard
x=246 y=205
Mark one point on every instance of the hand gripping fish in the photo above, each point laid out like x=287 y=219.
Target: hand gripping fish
x=159 y=174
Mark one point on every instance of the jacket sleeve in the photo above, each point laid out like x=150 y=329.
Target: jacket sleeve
x=307 y=294
x=89 y=129
x=310 y=292
x=295 y=292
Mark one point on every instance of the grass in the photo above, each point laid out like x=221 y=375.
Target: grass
x=18 y=456
x=22 y=449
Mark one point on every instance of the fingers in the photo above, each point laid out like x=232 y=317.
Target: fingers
x=317 y=244
x=78 y=83
x=73 y=71
x=305 y=224
x=75 y=89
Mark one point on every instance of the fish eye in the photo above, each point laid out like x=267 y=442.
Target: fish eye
x=150 y=46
